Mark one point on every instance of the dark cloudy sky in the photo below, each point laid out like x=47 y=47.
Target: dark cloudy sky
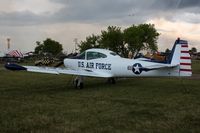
x=28 y=21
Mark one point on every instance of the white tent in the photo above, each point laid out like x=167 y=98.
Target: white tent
x=2 y=54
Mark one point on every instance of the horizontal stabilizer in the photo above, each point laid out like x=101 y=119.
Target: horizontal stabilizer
x=14 y=67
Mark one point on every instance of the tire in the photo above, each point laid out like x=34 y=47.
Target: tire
x=81 y=86
x=76 y=83
x=111 y=80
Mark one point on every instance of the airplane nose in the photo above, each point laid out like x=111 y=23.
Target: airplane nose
x=71 y=63
x=67 y=63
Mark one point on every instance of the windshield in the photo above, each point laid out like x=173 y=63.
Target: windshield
x=113 y=53
x=95 y=55
x=80 y=56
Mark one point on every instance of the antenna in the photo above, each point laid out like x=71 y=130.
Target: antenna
x=76 y=44
x=8 y=43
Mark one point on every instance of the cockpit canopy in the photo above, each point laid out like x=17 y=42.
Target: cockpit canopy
x=95 y=54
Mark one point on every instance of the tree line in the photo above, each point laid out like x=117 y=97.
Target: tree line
x=134 y=38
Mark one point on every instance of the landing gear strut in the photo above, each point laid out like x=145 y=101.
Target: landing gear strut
x=111 y=80
x=78 y=82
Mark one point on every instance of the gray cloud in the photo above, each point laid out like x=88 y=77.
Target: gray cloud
x=95 y=11
x=189 y=3
x=20 y=18
x=94 y=15
x=175 y=4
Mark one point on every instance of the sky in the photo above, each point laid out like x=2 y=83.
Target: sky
x=28 y=21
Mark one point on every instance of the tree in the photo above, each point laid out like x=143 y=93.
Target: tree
x=134 y=39
x=141 y=37
x=167 y=51
x=113 y=39
x=49 y=46
x=52 y=46
x=39 y=48
x=90 y=42
x=193 y=50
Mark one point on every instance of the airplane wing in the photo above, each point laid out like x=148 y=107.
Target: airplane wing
x=53 y=70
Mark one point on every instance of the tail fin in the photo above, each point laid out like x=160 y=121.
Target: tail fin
x=180 y=56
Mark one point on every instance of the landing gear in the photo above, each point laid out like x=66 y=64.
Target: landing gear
x=78 y=82
x=111 y=80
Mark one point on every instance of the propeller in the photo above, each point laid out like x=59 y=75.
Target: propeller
x=59 y=64
x=72 y=55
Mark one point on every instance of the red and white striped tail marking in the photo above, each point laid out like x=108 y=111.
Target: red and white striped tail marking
x=185 y=61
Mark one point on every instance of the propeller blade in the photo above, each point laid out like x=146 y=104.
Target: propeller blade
x=59 y=64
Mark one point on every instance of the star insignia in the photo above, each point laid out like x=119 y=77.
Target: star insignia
x=137 y=68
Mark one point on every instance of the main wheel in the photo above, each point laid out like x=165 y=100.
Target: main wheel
x=80 y=85
x=111 y=80
x=76 y=83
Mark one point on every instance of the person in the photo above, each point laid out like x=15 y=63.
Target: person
x=130 y=55
x=148 y=55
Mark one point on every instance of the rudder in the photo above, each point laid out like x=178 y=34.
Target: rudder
x=180 y=56
x=185 y=60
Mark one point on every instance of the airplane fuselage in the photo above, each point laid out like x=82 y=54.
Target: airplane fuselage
x=120 y=67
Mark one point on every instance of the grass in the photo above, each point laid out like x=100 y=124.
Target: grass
x=31 y=102
x=196 y=66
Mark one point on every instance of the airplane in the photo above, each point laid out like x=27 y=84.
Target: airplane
x=104 y=63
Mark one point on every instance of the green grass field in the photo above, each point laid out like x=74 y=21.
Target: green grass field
x=32 y=102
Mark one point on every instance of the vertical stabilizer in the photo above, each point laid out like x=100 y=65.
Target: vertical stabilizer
x=180 y=56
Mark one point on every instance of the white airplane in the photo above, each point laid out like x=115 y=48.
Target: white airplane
x=107 y=64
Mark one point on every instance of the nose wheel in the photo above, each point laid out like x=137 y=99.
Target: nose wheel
x=78 y=82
